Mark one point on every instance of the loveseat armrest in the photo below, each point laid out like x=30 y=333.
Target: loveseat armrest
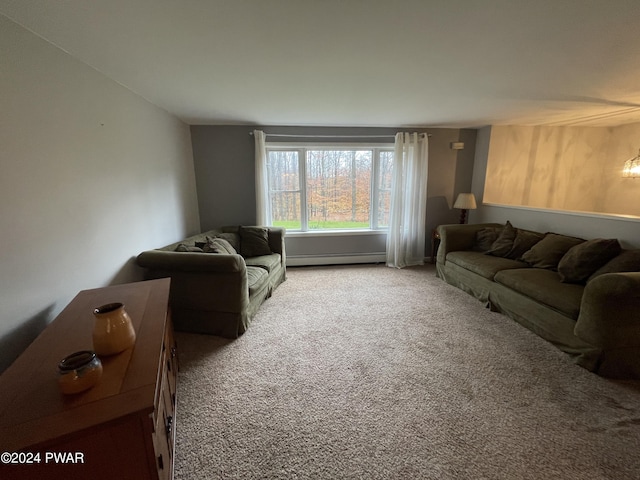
x=191 y=261
x=610 y=311
x=456 y=237
x=276 y=241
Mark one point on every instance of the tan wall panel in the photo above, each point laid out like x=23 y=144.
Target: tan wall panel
x=563 y=168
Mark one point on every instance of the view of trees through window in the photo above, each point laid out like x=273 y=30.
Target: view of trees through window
x=315 y=189
x=283 y=168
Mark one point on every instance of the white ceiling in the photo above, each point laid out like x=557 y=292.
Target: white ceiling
x=462 y=63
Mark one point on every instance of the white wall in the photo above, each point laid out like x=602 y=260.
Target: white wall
x=90 y=176
x=584 y=225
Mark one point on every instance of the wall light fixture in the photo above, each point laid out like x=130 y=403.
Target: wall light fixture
x=632 y=167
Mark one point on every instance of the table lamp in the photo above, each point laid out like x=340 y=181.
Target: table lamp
x=465 y=201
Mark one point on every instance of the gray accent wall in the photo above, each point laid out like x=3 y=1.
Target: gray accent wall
x=224 y=161
x=90 y=175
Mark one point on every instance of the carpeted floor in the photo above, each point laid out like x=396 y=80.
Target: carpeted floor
x=374 y=373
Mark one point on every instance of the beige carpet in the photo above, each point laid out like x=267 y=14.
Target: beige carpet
x=374 y=373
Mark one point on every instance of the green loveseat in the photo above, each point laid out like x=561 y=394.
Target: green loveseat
x=582 y=296
x=219 y=278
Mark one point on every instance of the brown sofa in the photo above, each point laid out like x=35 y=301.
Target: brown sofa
x=582 y=296
x=219 y=278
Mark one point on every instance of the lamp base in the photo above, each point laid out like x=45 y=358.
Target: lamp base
x=463 y=216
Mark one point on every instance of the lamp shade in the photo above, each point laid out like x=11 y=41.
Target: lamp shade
x=466 y=201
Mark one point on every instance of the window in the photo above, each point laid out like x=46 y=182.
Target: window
x=329 y=187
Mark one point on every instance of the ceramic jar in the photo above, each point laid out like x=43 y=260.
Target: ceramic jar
x=113 y=331
x=79 y=372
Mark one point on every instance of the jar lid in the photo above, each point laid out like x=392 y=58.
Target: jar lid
x=107 y=308
x=76 y=360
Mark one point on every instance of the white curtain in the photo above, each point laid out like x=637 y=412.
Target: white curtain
x=407 y=222
x=263 y=205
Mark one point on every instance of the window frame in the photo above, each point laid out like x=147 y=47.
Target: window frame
x=302 y=148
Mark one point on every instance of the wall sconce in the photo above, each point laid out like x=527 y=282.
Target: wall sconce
x=465 y=201
x=632 y=167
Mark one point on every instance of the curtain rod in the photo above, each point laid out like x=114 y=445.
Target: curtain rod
x=327 y=136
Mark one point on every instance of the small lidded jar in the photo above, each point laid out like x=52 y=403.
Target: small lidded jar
x=79 y=372
x=113 y=331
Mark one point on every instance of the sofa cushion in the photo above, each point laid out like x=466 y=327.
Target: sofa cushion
x=182 y=247
x=254 y=241
x=544 y=286
x=523 y=242
x=232 y=238
x=268 y=262
x=548 y=252
x=484 y=238
x=218 y=245
x=504 y=243
x=585 y=258
x=256 y=279
x=627 y=261
x=484 y=265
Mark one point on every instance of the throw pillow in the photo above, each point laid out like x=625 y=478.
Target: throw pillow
x=627 y=261
x=219 y=245
x=585 y=258
x=523 y=242
x=504 y=243
x=232 y=238
x=485 y=238
x=548 y=251
x=186 y=248
x=254 y=241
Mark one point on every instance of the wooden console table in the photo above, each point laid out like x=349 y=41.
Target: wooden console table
x=122 y=427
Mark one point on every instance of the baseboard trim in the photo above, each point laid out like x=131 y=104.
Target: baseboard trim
x=307 y=260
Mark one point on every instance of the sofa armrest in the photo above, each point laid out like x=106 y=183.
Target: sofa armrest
x=610 y=311
x=276 y=241
x=191 y=262
x=456 y=237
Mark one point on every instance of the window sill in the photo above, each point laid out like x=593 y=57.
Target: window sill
x=334 y=233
